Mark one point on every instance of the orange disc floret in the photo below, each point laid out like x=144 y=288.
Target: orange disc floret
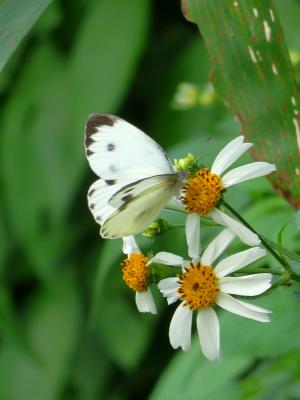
x=202 y=192
x=198 y=286
x=136 y=274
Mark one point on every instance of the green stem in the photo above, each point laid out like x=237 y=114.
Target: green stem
x=259 y=270
x=208 y=222
x=281 y=260
x=161 y=271
x=286 y=252
x=175 y=226
x=295 y=276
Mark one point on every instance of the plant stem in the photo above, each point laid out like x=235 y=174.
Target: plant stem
x=281 y=260
x=286 y=252
x=259 y=270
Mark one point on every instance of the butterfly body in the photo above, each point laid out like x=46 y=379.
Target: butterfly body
x=137 y=178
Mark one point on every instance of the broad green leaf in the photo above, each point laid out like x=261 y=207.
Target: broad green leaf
x=105 y=54
x=49 y=20
x=276 y=378
x=4 y=243
x=252 y=72
x=10 y=326
x=264 y=340
x=297 y=220
x=52 y=323
x=92 y=369
x=16 y=19
x=289 y=12
x=189 y=376
x=24 y=165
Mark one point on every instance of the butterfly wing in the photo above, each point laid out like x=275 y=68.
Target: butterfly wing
x=133 y=170
x=133 y=189
x=117 y=150
x=98 y=196
x=135 y=214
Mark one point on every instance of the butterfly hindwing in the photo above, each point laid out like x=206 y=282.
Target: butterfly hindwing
x=135 y=215
x=133 y=189
x=98 y=197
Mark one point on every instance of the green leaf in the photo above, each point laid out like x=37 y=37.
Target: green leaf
x=10 y=326
x=297 y=220
x=105 y=57
x=189 y=376
x=280 y=238
x=52 y=323
x=264 y=340
x=25 y=166
x=4 y=243
x=16 y=19
x=289 y=12
x=252 y=72
x=92 y=369
x=273 y=379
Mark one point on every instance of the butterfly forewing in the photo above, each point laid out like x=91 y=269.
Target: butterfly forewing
x=117 y=149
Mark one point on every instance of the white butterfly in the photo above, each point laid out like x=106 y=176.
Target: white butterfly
x=137 y=178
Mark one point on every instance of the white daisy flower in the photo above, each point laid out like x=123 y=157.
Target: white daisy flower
x=204 y=284
x=136 y=273
x=204 y=190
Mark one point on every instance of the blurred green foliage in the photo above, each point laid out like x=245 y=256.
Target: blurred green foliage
x=69 y=328
x=246 y=37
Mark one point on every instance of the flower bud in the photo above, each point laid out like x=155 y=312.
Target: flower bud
x=188 y=163
x=157 y=228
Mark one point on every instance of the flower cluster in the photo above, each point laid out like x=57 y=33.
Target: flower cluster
x=206 y=280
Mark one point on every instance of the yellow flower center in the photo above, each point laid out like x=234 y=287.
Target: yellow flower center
x=198 y=286
x=202 y=192
x=135 y=272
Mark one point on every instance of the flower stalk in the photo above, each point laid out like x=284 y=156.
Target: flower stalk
x=280 y=259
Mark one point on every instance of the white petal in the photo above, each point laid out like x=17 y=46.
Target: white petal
x=249 y=285
x=169 y=289
x=166 y=258
x=217 y=246
x=175 y=204
x=252 y=307
x=192 y=230
x=238 y=261
x=246 y=172
x=235 y=227
x=209 y=333
x=242 y=308
x=145 y=302
x=172 y=299
x=168 y=283
x=129 y=245
x=180 y=328
x=229 y=154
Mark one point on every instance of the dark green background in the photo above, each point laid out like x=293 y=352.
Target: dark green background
x=69 y=328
